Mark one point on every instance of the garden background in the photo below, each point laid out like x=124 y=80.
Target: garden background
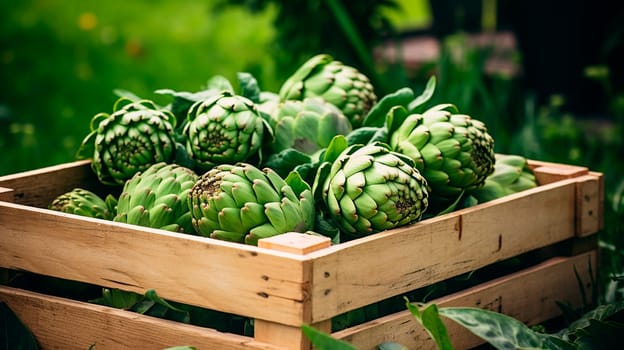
x=545 y=78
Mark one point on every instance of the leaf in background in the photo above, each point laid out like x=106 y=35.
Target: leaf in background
x=336 y=146
x=286 y=160
x=362 y=135
x=500 y=331
x=326 y=227
x=323 y=341
x=220 y=83
x=416 y=105
x=13 y=333
x=607 y=312
x=297 y=183
x=127 y=94
x=249 y=86
x=429 y=318
x=395 y=117
x=376 y=117
x=117 y=298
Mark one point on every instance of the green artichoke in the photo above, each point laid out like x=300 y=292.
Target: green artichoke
x=307 y=126
x=452 y=151
x=85 y=203
x=370 y=188
x=343 y=86
x=131 y=139
x=511 y=175
x=157 y=198
x=225 y=128
x=242 y=203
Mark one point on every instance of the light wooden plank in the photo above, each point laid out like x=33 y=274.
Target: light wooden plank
x=230 y=277
x=289 y=336
x=528 y=295
x=360 y=272
x=59 y=323
x=6 y=194
x=589 y=204
x=39 y=187
x=296 y=243
x=546 y=174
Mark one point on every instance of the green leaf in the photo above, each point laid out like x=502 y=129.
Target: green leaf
x=600 y=313
x=295 y=181
x=499 y=330
x=430 y=319
x=13 y=333
x=336 y=146
x=416 y=105
x=286 y=160
x=395 y=117
x=151 y=295
x=118 y=298
x=249 y=86
x=377 y=115
x=220 y=83
x=362 y=135
x=127 y=94
x=324 y=341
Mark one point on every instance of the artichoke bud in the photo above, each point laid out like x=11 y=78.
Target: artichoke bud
x=339 y=84
x=370 y=188
x=225 y=128
x=157 y=198
x=270 y=207
x=132 y=138
x=307 y=125
x=83 y=202
x=511 y=175
x=453 y=151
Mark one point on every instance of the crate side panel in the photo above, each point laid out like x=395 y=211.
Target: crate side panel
x=528 y=295
x=59 y=323
x=390 y=263
x=39 y=187
x=218 y=275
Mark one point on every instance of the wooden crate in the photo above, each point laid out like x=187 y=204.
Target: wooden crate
x=292 y=279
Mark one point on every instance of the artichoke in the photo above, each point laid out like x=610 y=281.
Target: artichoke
x=343 y=86
x=307 y=125
x=131 y=139
x=225 y=128
x=511 y=175
x=85 y=203
x=452 y=151
x=157 y=198
x=370 y=188
x=242 y=203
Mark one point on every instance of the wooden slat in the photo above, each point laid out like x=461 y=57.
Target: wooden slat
x=528 y=295
x=230 y=277
x=589 y=204
x=288 y=336
x=361 y=272
x=546 y=173
x=59 y=323
x=39 y=187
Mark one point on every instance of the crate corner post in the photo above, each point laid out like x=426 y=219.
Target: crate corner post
x=289 y=336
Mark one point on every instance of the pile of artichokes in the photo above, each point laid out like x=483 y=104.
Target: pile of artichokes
x=322 y=155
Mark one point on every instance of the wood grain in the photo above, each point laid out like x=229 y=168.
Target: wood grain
x=528 y=295
x=230 y=277
x=360 y=272
x=59 y=323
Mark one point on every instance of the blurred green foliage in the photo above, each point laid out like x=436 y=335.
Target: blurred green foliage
x=59 y=64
